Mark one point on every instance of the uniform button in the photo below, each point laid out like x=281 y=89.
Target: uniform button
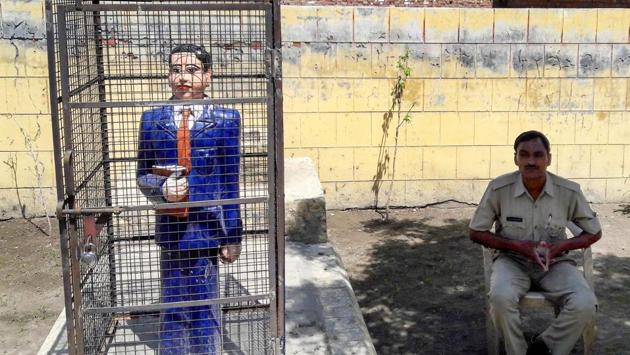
x=535 y=206
x=535 y=227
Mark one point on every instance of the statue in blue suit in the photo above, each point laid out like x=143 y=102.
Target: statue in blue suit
x=191 y=153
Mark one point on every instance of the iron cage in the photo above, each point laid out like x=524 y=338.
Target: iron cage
x=109 y=66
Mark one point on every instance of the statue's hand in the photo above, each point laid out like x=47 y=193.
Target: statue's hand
x=175 y=189
x=230 y=253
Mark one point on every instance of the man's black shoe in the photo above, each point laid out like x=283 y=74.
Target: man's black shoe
x=538 y=347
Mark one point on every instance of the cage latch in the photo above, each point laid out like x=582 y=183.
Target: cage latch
x=92 y=226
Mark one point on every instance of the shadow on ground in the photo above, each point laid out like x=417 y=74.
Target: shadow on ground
x=422 y=291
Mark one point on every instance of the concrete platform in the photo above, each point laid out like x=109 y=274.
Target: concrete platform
x=322 y=315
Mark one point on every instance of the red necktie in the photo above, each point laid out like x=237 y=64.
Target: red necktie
x=183 y=142
x=183 y=157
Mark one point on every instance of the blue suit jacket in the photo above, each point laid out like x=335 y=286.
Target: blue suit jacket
x=214 y=175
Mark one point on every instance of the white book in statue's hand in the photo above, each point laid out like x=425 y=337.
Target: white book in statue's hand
x=169 y=170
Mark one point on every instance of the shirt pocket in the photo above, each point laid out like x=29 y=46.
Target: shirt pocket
x=514 y=229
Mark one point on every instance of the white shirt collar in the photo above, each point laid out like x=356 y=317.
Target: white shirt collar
x=197 y=112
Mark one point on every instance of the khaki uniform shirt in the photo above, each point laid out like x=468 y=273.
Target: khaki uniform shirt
x=508 y=206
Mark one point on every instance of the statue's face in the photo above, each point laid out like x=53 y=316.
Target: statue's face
x=186 y=76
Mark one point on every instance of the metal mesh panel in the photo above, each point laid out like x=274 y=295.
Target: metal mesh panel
x=149 y=288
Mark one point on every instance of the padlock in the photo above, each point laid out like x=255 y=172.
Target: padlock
x=88 y=256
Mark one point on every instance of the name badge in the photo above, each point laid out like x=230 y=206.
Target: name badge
x=514 y=219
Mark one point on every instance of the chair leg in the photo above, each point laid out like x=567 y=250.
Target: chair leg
x=492 y=335
x=588 y=337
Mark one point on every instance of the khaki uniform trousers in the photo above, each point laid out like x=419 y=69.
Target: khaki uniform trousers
x=563 y=284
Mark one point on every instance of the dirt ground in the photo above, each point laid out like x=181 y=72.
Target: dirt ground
x=31 y=290
x=419 y=280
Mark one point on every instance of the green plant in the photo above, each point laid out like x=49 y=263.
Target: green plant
x=398 y=90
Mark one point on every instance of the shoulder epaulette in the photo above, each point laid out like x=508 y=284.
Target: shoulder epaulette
x=573 y=186
x=504 y=180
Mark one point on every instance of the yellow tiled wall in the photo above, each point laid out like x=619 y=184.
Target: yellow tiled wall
x=479 y=77
x=27 y=174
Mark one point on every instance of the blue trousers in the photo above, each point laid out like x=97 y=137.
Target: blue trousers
x=187 y=276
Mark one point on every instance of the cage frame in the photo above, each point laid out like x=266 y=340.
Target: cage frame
x=69 y=215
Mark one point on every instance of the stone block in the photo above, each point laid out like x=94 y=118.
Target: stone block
x=607 y=161
x=366 y=161
x=474 y=95
x=441 y=25
x=25 y=133
x=26 y=95
x=621 y=60
x=501 y=160
x=335 y=24
x=385 y=59
x=508 y=94
x=408 y=163
x=318 y=130
x=612 y=25
x=424 y=129
x=492 y=61
x=291 y=59
x=37 y=201
x=561 y=61
x=476 y=25
x=545 y=26
x=354 y=129
x=371 y=24
x=383 y=134
x=318 y=60
x=371 y=94
x=491 y=128
x=592 y=127
x=300 y=94
x=335 y=95
x=473 y=162
x=440 y=162
x=406 y=24
x=354 y=60
x=524 y=121
x=574 y=161
x=579 y=26
x=299 y=23
x=457 y=128
x=610 y=94
x=27 y=169
x=510 y=25
x=305 y=206
x=527 y=60
x=560 y=128
x=440 y=95
x=458 y=60
x=335 y=164
x=543 y=94
x=594 y=60
x=576 y=94
x=619 y=128
x=425 y=60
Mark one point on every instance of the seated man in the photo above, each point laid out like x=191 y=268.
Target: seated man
x=530 y=209
x=191 y=153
